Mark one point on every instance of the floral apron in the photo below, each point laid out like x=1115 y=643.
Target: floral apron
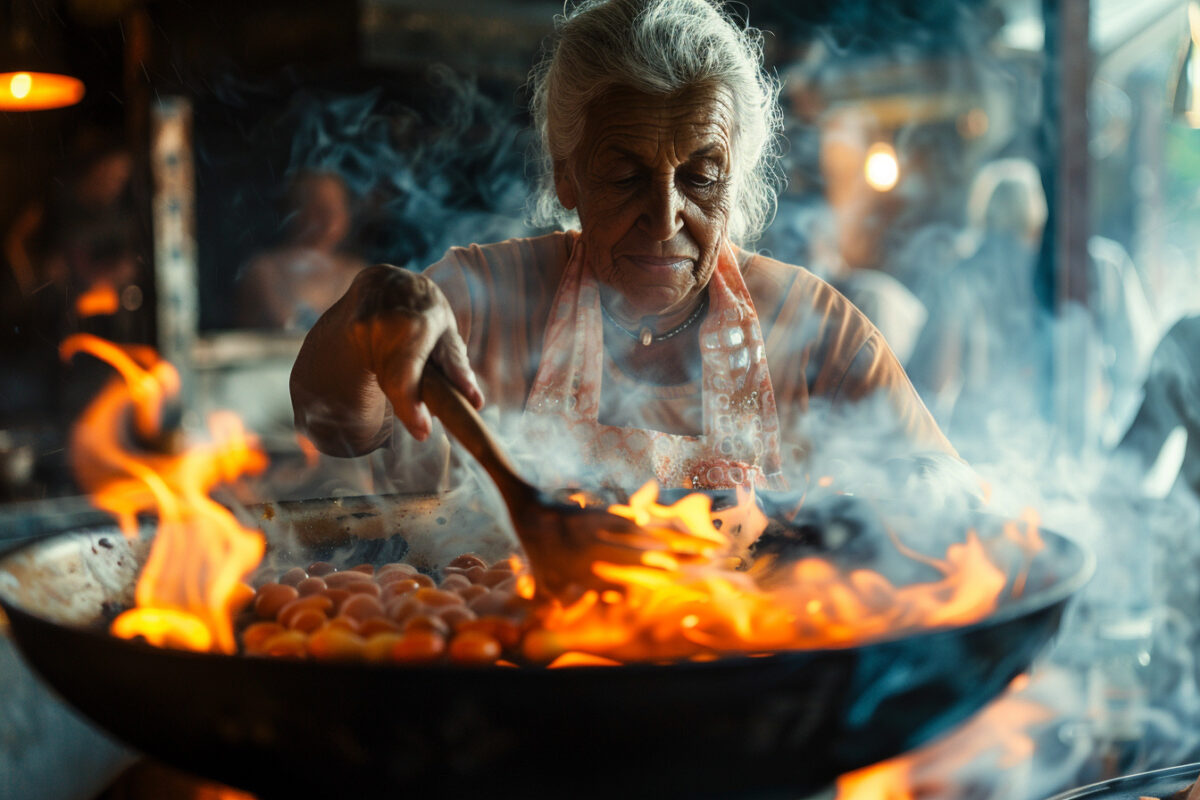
x=740 y=440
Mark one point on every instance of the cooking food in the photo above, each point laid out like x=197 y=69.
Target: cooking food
x=663 y=610
x=391 y=613
x=285 y=726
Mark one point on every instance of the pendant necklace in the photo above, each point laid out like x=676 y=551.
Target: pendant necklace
x=646 y=337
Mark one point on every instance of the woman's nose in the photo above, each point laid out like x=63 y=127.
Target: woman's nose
x=663 y=215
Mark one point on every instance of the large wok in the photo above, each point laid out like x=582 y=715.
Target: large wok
x=778 y=726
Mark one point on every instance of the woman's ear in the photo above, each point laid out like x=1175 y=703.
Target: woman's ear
x=564 y=186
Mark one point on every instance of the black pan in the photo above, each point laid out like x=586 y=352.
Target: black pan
x=779 y=726
x=1161 y=783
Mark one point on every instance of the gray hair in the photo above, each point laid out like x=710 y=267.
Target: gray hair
x=658 y=47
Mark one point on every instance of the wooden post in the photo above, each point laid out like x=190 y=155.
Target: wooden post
x=174 y=234
x=1065 y=269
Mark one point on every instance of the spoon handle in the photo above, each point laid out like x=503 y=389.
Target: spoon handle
x=461 y=419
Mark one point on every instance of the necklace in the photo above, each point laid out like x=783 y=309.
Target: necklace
x=646 y=337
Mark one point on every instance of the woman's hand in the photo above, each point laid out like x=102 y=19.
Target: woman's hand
x=401 y=321
x=370 y=349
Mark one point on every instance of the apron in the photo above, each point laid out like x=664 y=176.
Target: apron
x=739 y=445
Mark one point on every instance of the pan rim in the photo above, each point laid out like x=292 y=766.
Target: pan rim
x=1132 y=782
x=1061 y=591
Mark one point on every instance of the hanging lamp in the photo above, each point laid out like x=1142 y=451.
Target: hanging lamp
x=32 y=74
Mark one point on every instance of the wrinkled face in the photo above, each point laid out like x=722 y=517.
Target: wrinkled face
x=652 y=183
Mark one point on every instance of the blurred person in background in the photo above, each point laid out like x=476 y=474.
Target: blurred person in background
x=1170 y=406
x=288 y=287
x=1127 y=332
x=73 y=255
x=986 y=328
x=852 y=254
x=71 y=263
x=81 y=235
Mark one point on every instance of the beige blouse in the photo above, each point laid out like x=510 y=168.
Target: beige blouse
x=818 y=345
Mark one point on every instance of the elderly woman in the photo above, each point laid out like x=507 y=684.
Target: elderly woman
x=648 y=334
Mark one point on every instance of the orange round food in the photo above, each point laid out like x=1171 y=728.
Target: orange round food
x=293 y=576
x=257 y=634
x=341 y=580
x=419 y=645
x=455 y=615
x=377 y=625
x=467 y=560
x=438 y=597
x=335 y=642
x=400 y=609
x=471 y=592
x=306 y=620
x=388 y=613
x=474 y=647
x=379 y=645
x=289 y=643
x=361 y=607
x=310 y=586
x=455 y=583
x=272 y=597
x=317 y=602
x=425 y=621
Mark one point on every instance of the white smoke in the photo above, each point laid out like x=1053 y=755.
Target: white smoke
x=1121 y=686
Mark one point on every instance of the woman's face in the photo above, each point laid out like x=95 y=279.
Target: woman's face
x=651 y=182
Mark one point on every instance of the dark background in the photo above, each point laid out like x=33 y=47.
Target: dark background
x=421 y=107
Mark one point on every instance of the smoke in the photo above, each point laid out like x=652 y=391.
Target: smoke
x=990 y=360
x=1118 y=691
x=1061 y=410
x=430 y=161
x=448 y=173
x=1123 y=671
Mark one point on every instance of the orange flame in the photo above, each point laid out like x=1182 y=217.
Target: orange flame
x=312 y=456
x=998 y=737
x=101 y=299
x=190 y=586
x=887 y=780
x=573 y=659
x=225 y=793
x=741 y=523
x=671 y=607
x=685 y=600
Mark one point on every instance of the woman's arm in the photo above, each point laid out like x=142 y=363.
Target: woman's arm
x=363 y=361
x=875 y=370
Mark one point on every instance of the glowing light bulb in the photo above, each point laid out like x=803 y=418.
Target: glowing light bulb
x=36 y=91
x=20 y=85
x=881 y=169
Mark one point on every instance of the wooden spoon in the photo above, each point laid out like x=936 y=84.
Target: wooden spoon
x=561 y=540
